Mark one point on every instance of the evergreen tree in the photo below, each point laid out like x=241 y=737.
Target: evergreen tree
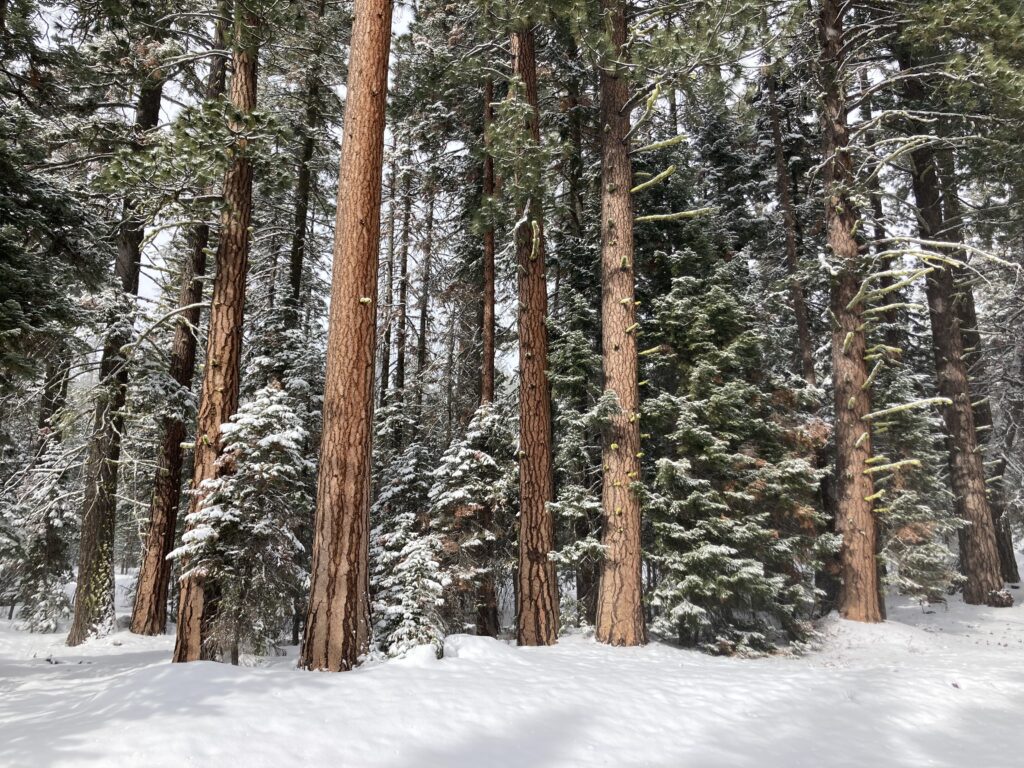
x=240 y=539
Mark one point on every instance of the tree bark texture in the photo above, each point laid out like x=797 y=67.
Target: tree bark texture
x=620 y=615
x=855 y=518
x=537 y=588
x=219 y=398
x=338 y=622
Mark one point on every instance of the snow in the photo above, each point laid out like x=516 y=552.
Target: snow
x=942 y=687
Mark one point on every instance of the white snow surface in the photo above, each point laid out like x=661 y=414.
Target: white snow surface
x=937 y=688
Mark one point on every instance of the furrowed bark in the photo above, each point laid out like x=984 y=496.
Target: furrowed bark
x=338 y=622
x=620 y=615
x=537 y=589
x=855 y=519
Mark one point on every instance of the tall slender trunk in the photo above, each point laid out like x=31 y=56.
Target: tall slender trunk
x=303 y=186
x=338 y=623
x=979 y=553
x=784 y=188
x=219 y=399
x=94 y=596
x=488 y=324
x=424 y=308
x=859 y=598
x=149 y=613
x=402 y=317
x=487 y=620
x=537 y=593
x=620 y=614
x=389 y=277
x=966 y=311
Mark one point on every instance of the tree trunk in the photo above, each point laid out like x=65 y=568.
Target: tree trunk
x=979 y=553
x=855 y=520
x=303 y=185
x=219 y=399
x=338 y=623
x=537 y=593
x=94 y=596
x=488 y=329
x=620 y=615
x=424 y=308
x=402 y=318
x=967 y=314
x=784 y=187
x=389 y=279
x=149 y=613
x=488 y=622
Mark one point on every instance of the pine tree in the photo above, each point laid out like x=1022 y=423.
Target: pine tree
x=240 y=541
x=219 y=399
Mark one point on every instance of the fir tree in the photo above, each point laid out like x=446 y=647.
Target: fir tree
x=241 y=538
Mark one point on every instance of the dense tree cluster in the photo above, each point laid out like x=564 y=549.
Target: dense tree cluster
x=352 y=325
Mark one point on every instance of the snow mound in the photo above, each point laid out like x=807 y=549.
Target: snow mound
x=478 y=648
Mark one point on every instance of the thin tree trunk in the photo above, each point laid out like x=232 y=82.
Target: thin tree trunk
x=149 y=613
x=402 y=317
x=303 y=185
x=537 y=604
x=219 y=399
x=784 y=187
x=424 y=308
x=488 y=622
x=389 y=279
x=338 y=623
x=94 y=596
x=855 y=520
x=620 y=614
x=488 y=329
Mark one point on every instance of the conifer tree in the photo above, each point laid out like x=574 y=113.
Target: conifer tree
x=220 y=392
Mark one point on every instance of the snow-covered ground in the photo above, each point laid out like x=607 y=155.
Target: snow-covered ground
x=943 y=688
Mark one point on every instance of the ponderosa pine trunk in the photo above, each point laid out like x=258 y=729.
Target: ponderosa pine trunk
x=784 y=189
x=967 y=314
x=94 y=595
x=338 y=623
x=979 y=554
x=149 y=612
x=536 y=585
x=620 y=613
x=488 y=622
x=219 y=398
x=859 y=597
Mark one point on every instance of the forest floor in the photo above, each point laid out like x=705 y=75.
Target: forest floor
x=936 y=687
